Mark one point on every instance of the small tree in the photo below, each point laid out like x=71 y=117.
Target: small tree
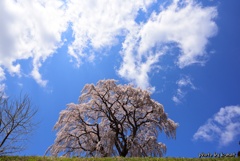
x=15 y=123
x=112 y=120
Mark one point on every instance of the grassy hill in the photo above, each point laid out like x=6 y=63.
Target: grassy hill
x=36 y=158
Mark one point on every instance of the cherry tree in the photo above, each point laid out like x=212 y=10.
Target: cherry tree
x=112 y=120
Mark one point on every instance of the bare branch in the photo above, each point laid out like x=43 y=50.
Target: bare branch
x=15 y=123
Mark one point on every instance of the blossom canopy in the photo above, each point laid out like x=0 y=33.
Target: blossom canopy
x=112 y=120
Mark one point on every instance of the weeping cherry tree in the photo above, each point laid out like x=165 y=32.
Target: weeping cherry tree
x=112 y=120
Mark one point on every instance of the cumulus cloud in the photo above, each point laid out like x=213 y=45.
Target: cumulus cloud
x=224 y=126
x=29 y=29
x=183 y=84
x=185 y=23
x=136 y=67
x=32 y=30
x=97 y=24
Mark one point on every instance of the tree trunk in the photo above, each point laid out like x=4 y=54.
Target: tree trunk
x=124 y=153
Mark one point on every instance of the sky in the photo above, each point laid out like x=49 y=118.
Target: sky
x=185 y=52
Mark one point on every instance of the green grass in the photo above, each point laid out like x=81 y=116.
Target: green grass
x=37 y=158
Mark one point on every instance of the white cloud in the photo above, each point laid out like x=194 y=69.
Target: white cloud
x=2 y=90
x=136 y=67
x=97 y=24
x=29 y=29
x=2 y=87
x=176 y=99
x=183 y=84
x=224 y=126
x=185 y=81
x=2 y=75
x=185 y=23
x=33 y=29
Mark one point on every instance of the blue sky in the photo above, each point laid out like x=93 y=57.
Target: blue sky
x=185 y=52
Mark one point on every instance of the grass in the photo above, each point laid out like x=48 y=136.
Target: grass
x=38 y=158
